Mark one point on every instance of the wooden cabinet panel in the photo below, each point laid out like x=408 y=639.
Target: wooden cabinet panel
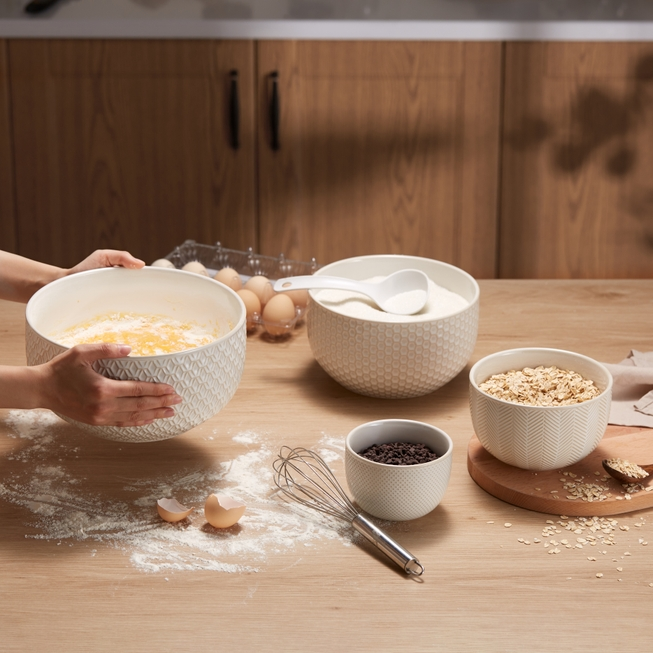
x=7 y=215
x=577 y=178
x=126 y=144
x=385 y=147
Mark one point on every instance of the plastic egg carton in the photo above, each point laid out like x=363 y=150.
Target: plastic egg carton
x=247 y=264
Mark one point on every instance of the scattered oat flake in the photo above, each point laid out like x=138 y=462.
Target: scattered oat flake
x=507 y=524
x=599 y=575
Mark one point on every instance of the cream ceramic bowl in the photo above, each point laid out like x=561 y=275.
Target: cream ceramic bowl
x=539 y=437
x=394 y=360
x=397 y=492
x=205 y=377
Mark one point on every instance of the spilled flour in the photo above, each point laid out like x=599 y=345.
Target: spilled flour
x=61 y=511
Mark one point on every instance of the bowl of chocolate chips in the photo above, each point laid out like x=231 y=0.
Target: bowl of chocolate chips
x=398 y=469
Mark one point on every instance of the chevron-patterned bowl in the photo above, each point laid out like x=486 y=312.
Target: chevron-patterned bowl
x=206 y=377
x=539 y=437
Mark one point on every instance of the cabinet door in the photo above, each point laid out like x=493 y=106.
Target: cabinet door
x=577 y=184
x=384 y=147
x=126 y=144
x=7 y=216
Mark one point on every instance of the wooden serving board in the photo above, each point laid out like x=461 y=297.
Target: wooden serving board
x=533 y=490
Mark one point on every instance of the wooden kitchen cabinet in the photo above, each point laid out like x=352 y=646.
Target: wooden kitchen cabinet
x=7 y=214
x=126 y=144
x=384 y=147
x=577 y=175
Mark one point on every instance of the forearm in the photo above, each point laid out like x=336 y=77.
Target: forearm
x=21 y=277
x=20 y=387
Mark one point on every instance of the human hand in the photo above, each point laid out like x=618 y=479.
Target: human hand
x=107 y=258
x=71 y=387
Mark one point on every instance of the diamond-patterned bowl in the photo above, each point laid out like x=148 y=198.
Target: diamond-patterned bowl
x=539 y=437
x=394 y=360
x=205 y=377
x=397 y=492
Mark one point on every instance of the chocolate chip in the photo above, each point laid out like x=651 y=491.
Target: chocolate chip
x=399 y=453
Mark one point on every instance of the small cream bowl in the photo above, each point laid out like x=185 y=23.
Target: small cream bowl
x=397 y=492
x=539 y=437
x=205 y=377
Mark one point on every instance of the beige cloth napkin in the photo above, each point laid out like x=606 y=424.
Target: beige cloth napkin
x=632 y=390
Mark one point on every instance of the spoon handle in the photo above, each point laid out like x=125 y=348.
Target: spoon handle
x=309 y=281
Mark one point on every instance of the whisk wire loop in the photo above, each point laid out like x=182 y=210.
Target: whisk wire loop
x=320 y=489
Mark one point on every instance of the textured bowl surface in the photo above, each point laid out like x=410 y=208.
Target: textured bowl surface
x=397 y=492
x=539 y=437
x=394 y=360
x=205 y=377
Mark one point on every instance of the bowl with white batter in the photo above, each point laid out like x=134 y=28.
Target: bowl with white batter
x=379 y=354
x=184 y=329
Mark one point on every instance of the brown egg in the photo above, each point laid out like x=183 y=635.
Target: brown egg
x=299 y=297
x=163 y=263
x=252 y=305
x=278 y=314
x=229 y=277
x=196 y=267
x=171 y=510
x=261 y=287
x=221 y=511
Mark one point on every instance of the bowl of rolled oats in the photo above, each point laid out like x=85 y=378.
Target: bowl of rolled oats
x=538 y=408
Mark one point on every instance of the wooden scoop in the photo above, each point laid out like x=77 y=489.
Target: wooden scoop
x=624 y=478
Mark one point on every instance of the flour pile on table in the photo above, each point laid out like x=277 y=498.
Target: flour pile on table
x=63 y=512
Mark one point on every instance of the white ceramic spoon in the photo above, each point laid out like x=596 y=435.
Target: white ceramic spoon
x=403 y=292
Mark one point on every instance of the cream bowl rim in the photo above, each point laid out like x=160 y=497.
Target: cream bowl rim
x=157 y=270
x=448 y=453
x=409 y=319
x=516 y=350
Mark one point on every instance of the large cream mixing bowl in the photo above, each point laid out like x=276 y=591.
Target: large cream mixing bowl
x=397 y=359
x=206 y=377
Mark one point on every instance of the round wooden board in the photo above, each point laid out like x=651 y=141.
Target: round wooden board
x=533 y=490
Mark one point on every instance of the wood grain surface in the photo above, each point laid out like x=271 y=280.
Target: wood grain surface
x=576 y=189
x=483 y=589
x=125 y=144
x=7 y=212
x=545 y=491
x=384 y=148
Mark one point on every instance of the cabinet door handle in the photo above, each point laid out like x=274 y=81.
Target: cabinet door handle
x=275 y=110
x=234 y=112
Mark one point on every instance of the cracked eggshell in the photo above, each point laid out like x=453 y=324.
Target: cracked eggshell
x=171 y=510
x=221 y=511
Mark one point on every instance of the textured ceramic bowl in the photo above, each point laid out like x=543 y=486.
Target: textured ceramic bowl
x=205 y=377
x=539 y=437
x=394 y=360
x=397 y=492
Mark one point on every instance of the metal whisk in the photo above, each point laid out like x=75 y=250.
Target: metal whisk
x=305 y=477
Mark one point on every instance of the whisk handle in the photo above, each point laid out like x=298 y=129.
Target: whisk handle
x=407 y=561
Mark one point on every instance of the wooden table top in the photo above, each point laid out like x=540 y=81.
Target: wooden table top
x=314 y=590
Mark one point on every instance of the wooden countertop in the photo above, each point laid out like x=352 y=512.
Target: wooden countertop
x=483 y=590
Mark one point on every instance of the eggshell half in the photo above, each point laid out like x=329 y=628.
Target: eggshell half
x=171 y=510
x=221 y=511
